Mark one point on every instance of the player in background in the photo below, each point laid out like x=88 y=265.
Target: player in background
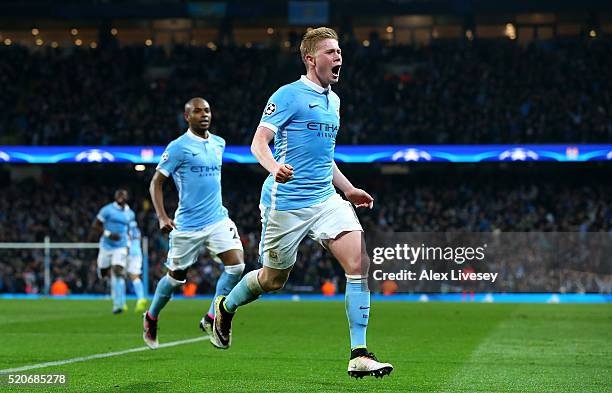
x=194 y=162
x=112 y=225
x=298 y=198
x=134 y=266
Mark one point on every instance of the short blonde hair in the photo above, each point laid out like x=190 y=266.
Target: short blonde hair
x=311 y=39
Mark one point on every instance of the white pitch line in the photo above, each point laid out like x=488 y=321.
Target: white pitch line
x=101 y=355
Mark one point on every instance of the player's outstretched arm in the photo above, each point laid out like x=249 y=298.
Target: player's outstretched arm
x=166 y=224
x=356 y=196
x=260 y=147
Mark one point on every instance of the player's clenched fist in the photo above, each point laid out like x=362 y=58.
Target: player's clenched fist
x=359 y=198
x=166 y=225
x=283 y=174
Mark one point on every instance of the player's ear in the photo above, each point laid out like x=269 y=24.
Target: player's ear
x=310 y=60
x=186 y=114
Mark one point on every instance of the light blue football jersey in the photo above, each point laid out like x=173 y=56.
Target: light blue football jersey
x=195 y=165
x=135 y=240
x=305 y=118
x=115 y=219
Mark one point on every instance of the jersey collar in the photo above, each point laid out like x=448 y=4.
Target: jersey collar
x=314 y=86
x=119 y=206
x=198 y=138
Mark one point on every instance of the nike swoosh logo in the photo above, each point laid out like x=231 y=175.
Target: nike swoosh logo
x=312 y=105
x=363 y=308
x=194 y=154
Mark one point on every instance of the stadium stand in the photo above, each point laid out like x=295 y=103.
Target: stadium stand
x=450 y=92
x=62 y=206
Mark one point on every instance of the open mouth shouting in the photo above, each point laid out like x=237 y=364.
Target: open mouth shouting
x=336 y=71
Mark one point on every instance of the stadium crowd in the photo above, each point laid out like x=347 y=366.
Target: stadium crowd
x=63 y=205
x=448 y=92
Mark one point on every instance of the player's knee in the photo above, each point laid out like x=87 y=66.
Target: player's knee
x=232 y=257
x=364 y=261
x=280 y=283
x=270 y=283
x=273 y=285
x=118 y=270
x=358 y=264
x=105 y=272
x=179 y=275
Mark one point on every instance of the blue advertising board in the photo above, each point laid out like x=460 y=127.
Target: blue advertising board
x=346 y=154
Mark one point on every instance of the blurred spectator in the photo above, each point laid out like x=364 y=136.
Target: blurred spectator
x=389 y=287
x=454 y=92
x=328 y=288
x=190 y=289
x=63 y=204
x=59 y=288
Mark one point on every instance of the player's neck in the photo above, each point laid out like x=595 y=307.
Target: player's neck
x=203 y=136
x=312 y=76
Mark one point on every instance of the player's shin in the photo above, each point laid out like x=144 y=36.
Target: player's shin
x=121 y=291
x=117 y=291
x=114 y=287
x=357 y=302
x=226 y=282
x=138 y=288
x=247 y=290
x=163 y=292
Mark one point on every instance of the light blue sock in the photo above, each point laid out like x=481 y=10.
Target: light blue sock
x=114 y=282
x=138 y=288
x=225 y=284
x=163 y=292
x=247 y=290
x=357 y=302
x=121 y=290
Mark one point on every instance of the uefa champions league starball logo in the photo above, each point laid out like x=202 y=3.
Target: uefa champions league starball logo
x=270 y=109
x=411 y=155
x=518 y=154
x=95 y=155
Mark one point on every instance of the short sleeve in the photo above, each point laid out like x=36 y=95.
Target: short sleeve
x=279 y=110
x=336 y=101
x=221 y=143
x=170 y=159
x=102 y=215
x=134 y=234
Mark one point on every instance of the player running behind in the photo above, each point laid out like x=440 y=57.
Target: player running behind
x=194 y=162
x=134 y=266
x=112 y=222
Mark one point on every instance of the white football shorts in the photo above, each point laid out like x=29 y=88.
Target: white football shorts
x=283 y=230
x=108 y=257
x=217 y=238
x=134 y=264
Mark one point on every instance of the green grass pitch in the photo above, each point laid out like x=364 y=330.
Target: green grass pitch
x=303 y=347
